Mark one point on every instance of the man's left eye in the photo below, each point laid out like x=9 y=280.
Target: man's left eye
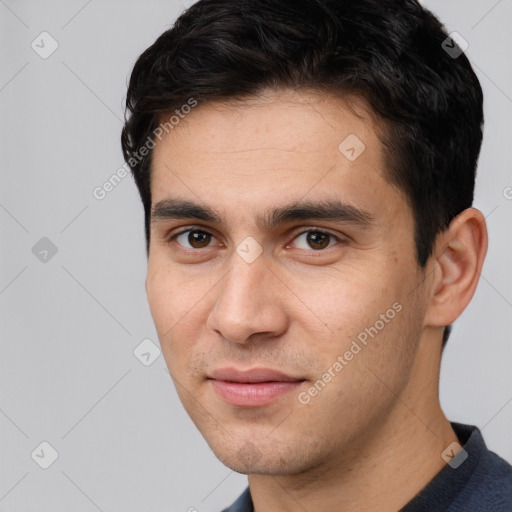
x=316 y=240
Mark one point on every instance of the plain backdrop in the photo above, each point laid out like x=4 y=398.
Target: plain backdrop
x=72 y=300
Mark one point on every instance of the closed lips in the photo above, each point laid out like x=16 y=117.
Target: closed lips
x=252 y=376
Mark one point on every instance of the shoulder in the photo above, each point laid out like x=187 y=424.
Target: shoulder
x=489 y=485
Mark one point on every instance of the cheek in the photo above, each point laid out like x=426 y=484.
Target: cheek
x=178 y=306
x=160 y=298
x=167 y=303
x=363 y=314
x=344 y=300
x=171 y=295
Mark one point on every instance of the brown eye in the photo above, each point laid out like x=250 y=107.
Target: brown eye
x=316 y=240
x=196 y=238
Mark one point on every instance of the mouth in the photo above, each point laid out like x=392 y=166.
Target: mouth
x=256 y=387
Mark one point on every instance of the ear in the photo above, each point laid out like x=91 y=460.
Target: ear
x=457 y=261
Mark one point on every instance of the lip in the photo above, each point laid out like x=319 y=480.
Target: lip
x=256 y=387
x=252 y=375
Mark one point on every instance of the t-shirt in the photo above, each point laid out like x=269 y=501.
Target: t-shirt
x=475 y=480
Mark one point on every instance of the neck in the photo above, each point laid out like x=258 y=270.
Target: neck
x=387 y=465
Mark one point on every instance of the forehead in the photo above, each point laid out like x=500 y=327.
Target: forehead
x=293 y=121
x=279 y=147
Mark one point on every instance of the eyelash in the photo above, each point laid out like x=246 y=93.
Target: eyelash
x=173 y=237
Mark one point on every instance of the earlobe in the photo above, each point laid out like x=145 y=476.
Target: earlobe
x=459 y=255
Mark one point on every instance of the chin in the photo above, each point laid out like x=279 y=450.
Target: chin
x=263 y=458
x=261 y=467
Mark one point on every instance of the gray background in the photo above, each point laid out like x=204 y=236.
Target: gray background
x=69 y=324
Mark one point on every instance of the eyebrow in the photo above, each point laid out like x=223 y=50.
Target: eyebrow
x=330 y=210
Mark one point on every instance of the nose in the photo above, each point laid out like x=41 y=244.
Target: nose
x=250 y=303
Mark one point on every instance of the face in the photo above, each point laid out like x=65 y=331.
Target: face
x=282 y=278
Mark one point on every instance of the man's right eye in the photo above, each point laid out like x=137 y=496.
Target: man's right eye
x=195 y=238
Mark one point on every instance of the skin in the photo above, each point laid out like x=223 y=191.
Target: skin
x=372 y=438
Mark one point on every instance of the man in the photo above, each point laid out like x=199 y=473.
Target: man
x=307 y=170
